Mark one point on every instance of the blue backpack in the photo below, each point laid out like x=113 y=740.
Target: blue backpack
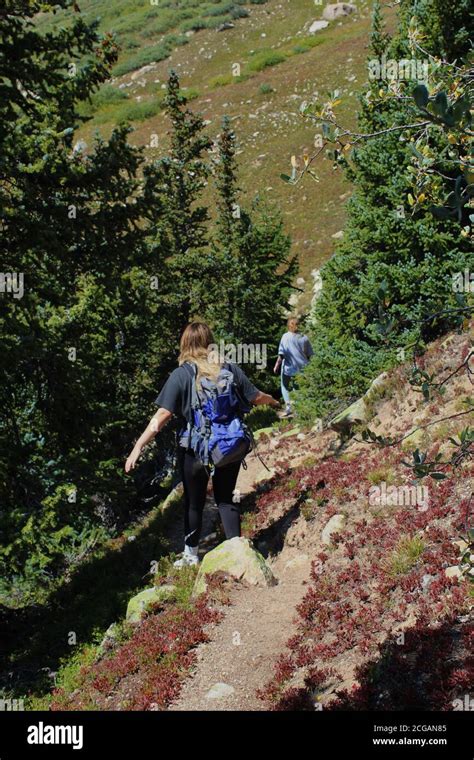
x=217 y=435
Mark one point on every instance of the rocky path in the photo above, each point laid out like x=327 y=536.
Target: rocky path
x=242 y=650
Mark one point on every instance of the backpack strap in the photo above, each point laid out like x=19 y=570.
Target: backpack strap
x=192 y=371
x=244 y=407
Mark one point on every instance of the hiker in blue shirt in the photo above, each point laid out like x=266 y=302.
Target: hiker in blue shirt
x=294 y=353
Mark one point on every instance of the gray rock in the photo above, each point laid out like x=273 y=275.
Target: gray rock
x=336 y=10
x=453 y=572
x=220 y=691
x=354 y=414
x=239 y=559
x=110 y=637
x=334 y=525
x=317 y=26
x=358 y=412
x=142 y=602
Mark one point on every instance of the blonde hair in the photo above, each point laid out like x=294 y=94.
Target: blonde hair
x=194 y=347
x=293 y=324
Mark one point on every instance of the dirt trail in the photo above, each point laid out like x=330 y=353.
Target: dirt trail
x=243 y=647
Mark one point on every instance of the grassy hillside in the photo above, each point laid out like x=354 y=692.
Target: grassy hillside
x=281 y=65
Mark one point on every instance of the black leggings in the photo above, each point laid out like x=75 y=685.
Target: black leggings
x=195 y=479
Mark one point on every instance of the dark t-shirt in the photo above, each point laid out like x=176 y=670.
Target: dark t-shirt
x=176 y=394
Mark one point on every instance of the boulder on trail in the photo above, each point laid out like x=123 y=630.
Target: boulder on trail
x=142 y=602
x=238 y=558
x=335 y=10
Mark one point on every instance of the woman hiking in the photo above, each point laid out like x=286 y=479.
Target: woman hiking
x=185 y=392
x=294 y=353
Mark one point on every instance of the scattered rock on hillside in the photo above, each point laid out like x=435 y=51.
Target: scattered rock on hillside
x=453 y=572
x=316 y=26
x=354 y=414
x=334 y=525
x=238 y=558
x=110 y=638
x=359 y=411
x=143 y=70
x=335 y=10
x=143 y=601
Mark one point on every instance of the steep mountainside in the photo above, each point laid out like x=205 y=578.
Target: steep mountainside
x=257 y=69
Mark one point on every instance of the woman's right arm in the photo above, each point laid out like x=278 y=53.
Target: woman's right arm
x=157 y=422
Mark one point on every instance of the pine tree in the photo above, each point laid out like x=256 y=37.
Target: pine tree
x=378 y=37
x=227 y=189
x=394 y=267
x=82 y=348
x=252 y=255
x=178 y=181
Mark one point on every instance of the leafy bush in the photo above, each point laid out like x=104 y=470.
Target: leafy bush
x=108 y=95
x=264 y=59
x=138 y=111
x=150 y=54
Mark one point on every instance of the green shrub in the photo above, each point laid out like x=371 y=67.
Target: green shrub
x=150 y=54
x=218 y=10
x=264 y=59
x=405 y=556
x=191 y=93
x=138 y=111
x=108 y=95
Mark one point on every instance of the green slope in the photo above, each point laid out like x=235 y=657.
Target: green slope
x=281 y=65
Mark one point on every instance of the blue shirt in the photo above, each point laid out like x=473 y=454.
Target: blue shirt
x=296 y=351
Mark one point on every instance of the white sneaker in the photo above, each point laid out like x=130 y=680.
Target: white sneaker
x=189 y=557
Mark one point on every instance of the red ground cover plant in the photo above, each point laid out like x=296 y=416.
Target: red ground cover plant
x=372 y=614
x=146 y=671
